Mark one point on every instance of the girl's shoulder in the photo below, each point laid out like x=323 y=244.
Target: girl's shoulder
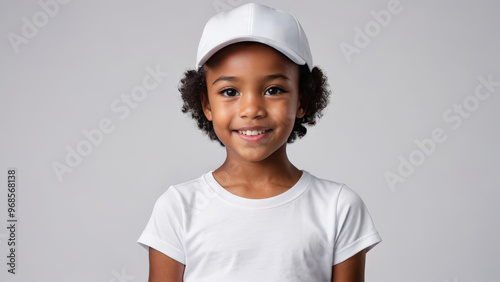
x=336 y=191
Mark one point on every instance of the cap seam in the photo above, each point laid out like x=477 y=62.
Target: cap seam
x=250 y=24
x=299 y=27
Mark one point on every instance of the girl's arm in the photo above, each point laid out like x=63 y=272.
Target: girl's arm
x=163 y=268
x=350 y=270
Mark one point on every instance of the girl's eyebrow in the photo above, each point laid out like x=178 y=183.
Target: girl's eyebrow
x=225 y=78
x=276 y=76
x=267 y=78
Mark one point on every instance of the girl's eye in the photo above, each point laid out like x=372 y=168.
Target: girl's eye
x=229 y=92
x=274 y=91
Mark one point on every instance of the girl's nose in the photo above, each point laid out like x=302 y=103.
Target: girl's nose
x=252 y=106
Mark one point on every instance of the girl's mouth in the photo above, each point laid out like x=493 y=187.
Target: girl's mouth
x=252 y=135
x=252 y=132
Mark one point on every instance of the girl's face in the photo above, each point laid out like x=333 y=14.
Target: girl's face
x=253 y=99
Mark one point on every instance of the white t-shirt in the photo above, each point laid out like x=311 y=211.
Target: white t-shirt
x=295 y=236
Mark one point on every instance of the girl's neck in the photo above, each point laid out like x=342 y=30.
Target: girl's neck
x=274 y=171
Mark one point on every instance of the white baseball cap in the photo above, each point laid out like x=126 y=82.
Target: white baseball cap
x=257 y=23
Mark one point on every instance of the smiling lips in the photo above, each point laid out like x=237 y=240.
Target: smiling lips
x=252 y=135
x=252 y=132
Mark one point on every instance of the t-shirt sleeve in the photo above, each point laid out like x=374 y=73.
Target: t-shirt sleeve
x=355 y=230
x=164 y=231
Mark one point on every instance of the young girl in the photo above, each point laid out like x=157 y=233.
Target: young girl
x=257 y=217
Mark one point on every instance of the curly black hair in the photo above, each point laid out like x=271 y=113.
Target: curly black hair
x=313 y=89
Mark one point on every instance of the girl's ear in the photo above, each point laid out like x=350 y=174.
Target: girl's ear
x=207 y=110
x=301 y=110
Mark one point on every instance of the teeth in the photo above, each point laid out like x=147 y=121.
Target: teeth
x=251 y=132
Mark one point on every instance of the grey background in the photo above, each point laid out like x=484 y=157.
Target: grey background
x=440 y=224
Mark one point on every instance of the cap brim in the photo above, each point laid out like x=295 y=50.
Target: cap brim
x=294 y=57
